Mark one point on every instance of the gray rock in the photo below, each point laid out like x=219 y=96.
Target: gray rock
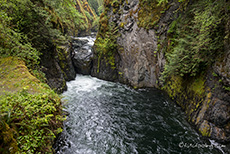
x=140 y=63
x=82 y=61
x=82 y=55
x=222 y=68
x=53 y=72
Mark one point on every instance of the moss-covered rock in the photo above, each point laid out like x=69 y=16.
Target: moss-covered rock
x=65 y=61
x=150 y=13
x=57 y=67
x=7 y=139
x=208 y=109
x=129 y=49
x=15 y=76
x=30 y=112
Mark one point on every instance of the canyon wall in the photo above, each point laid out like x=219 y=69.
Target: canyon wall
x=138 y=39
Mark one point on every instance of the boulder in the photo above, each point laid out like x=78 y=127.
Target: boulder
x=82 y=55
x=82 y=61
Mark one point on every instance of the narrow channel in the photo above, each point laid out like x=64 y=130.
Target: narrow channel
x=111 y=118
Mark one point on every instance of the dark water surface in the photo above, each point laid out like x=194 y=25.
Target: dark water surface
x=110 y=118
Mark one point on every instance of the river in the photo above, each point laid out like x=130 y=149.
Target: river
x=111 y=118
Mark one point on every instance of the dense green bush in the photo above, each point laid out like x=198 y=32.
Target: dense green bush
x=13 y=42
x=29 y=28
x=35 y=117
x=197 y=38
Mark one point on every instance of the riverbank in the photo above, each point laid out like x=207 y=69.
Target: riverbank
x=30 y=113
x=169 y=45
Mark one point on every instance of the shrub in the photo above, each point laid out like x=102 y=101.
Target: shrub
x=196 y=38
x=35 y=117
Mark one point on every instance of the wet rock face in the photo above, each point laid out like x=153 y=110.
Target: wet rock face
x=82 y=54
x=105 y=71
x=218 y=116
x=139 y=59
x=222 y=69
x=140 y=62
x=53 y=72
x=82 y=61
x=218 y=113
x=58 y=68
x=65 y=62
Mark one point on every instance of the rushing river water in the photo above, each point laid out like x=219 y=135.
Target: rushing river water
x=110 y=118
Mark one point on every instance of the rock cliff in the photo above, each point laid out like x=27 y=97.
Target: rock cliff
x=138 y=60
x=58 y=67
x=137 y=41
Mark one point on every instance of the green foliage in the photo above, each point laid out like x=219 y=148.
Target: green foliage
x=39 y=75
x=97 y=5
x=226 y=88
x=30 y=112
x=29 y=28
x=96 y=23
x=150 y=12
x=214 y=74
x=196 y=39
x=65 y=11
x=12 y=41
x=88 y=15
x=36 y=118
x=106 y=45
x=160 y=2
x=106 y=42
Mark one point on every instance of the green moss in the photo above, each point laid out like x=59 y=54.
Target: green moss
x=30 y=112
x=189 y=94
x=122 y=25
x=226 y=88
x=62 y=52
x=205 y=129
x=174 y=86
x=106 y=42
x=15 y=75
x=115 y=5
x=7 y=139
x=197 y=86
x=214 y=74
x=150 y=13
x=103 y=23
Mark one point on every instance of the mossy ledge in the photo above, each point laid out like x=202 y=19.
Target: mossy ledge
x=30 y=112
x=203 y=103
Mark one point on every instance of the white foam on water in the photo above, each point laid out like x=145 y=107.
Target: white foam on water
x=217 y=145
x=85 y=84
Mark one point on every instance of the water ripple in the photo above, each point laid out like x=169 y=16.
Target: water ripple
x=110 y=118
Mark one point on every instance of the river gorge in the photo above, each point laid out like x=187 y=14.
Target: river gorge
x=106 y=117
x=115 y=76
x=109 y=117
